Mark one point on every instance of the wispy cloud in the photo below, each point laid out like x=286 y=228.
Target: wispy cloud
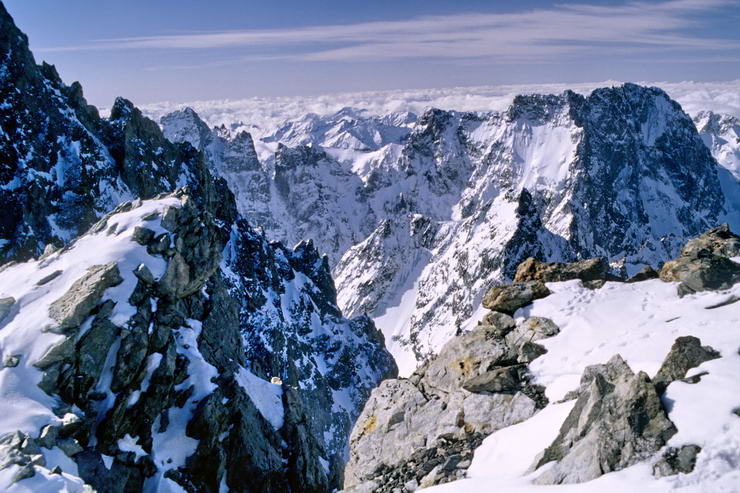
x=559 y=32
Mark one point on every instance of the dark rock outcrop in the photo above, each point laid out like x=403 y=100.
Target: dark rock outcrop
x=685 y=354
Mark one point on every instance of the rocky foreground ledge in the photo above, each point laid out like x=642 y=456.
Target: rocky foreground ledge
x=422 y=431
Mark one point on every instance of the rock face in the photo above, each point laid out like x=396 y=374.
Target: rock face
x=422 y=431
x=618 y=420
x=704 y=264
x=166 y=320
x=430 y=219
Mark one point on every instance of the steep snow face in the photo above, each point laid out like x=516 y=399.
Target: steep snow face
x=721 y=134
x=416 y=230
x=640 y=322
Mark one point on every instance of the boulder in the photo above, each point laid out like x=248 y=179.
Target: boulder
x=617 y=421
x=594 y=269
x=704 y=263
x=508 y=298
x=142 y=236
x=685 y=354
x=717 y=241
x=676 y=460
x=710 y=273
x=48 y=278
x=75 y=305
x=6 y=304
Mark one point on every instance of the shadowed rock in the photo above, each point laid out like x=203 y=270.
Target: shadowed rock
x=685 y=354
x=703 y=264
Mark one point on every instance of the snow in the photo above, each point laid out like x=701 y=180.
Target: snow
x=131 y=444
x=171 y=447
x=640 y=322
x=266 y=396
x=23 y=405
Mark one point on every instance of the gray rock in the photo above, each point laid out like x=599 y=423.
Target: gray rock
x=500 y=323
x=506 y=379
x=508 y=298
x=595 y=269
x=717 y=241
x=676 y=460
x=704 y=264
x=6 y=304
x=75 y=305
x=49 y=278
x=617 y=421
x=11 y=360
x=144 y=274
x=530 y=330
x=685 y=354
x=142 y=236
x=465 y=357
x=425 y=428
x=70 y=446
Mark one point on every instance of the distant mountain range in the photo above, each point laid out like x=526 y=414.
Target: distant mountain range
x=420 y=214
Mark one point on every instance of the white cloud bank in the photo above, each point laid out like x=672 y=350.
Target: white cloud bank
x=262 y=114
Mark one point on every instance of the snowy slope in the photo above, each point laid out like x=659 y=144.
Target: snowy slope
x=640 y=322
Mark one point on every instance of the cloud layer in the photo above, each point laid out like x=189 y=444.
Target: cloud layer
x=261 y=115
x=562 y=32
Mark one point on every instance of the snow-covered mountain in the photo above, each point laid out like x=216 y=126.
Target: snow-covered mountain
x=418 y=228
x=138 y=349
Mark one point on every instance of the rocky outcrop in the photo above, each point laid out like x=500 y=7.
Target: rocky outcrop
x=595 y=269
x=704 y=263
x=508 y=298
x=674 y=461
x=191 y=359
x=422 y=431
x=618 y=420
x=685 y=354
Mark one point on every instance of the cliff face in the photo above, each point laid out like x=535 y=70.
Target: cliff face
x=142 y=345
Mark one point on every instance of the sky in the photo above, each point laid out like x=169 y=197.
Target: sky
x=188 y=50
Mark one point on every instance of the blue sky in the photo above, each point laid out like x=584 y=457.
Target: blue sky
x=185 y=50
